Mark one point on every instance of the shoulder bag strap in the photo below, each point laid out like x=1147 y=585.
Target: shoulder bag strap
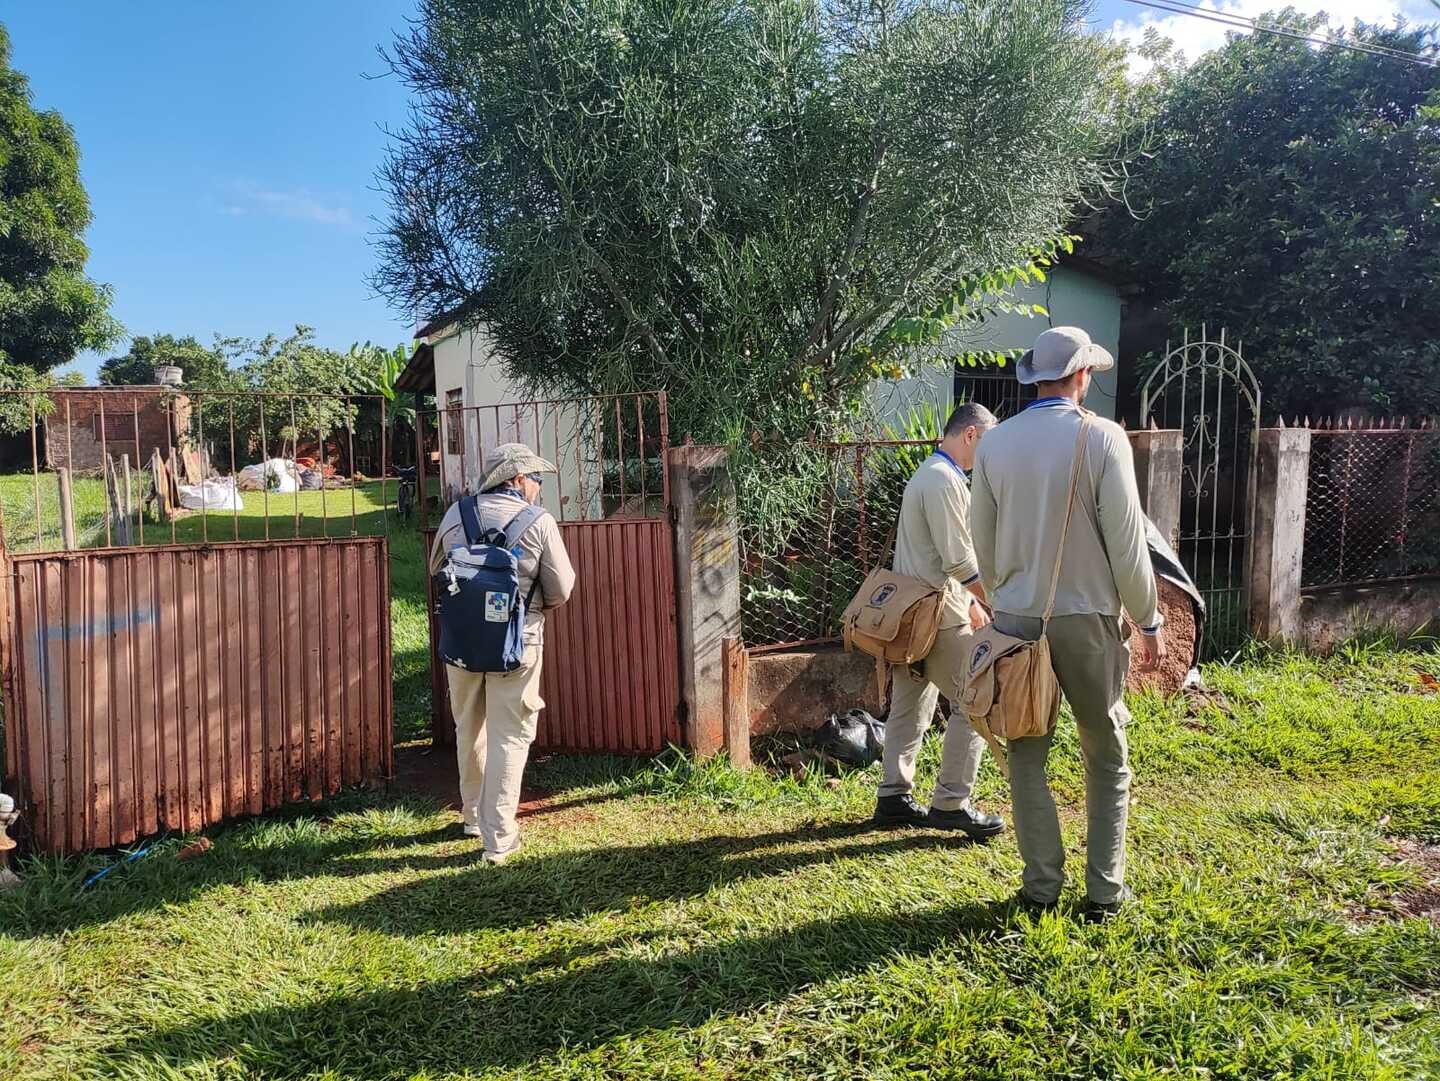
x=887 y=550
x=1081 y=445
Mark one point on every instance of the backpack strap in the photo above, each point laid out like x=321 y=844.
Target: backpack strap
x=470 y=519
x=515 y=530
x=521 y=522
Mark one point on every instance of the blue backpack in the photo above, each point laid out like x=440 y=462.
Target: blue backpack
x=477 y=590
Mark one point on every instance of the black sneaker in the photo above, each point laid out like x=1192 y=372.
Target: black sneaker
x=1102 y=911
x=899 y=811
x=1025 y=902
x=976 y=825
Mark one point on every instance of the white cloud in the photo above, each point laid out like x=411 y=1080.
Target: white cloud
x=296 y=204
x=1194 y=36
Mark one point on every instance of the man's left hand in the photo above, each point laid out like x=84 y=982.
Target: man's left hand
x=978 y=616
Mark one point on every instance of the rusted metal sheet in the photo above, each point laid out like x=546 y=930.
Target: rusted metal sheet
x=611 y=679
x=169 y=688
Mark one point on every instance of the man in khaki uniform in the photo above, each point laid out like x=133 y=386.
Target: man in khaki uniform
x=496 y=713
x=1020 y=487
x=932 y=543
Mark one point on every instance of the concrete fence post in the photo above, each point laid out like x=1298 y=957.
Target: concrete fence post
x=707 y=583
x=1159 y=462
x=1277 y=533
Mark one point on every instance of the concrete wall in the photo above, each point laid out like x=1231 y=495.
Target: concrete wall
x=1328 y=617
x=1072 y=298
x=795 y=692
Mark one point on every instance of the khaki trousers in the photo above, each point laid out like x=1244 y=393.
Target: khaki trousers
x=912 y=708
x=1090 y=657
x=495 y=718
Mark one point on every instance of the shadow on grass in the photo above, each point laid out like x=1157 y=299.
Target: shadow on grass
x=508 y=1014
x=534 y=890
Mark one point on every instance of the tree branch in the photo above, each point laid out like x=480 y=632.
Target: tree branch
x=845 y=266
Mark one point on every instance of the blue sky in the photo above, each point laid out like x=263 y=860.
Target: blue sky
x=229 y=149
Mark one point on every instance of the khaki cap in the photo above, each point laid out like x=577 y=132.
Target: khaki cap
x=510 y=460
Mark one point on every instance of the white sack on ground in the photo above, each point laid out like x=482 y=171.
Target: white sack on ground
x=283 y=476
x=218 y=494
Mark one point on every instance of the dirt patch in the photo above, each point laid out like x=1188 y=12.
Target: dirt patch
x=432 y=773
x=1179 y=637
x=1428 y=683
x=1420 y=901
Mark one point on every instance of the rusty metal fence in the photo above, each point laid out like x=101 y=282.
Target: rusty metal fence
x=608 y=450
x=171 y=687
x=814 y=519
x=111 y=467
x=194 y=605
x=1372 y=512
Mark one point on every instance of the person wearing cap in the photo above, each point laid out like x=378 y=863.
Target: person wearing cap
x=932 y=543
x=1019 y=491
x=496 y=713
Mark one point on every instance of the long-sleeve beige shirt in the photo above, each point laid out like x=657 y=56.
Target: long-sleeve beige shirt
x=1017 y=508
x=542 y=552
x=932 y=542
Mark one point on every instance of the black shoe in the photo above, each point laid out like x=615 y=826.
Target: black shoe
x=977 y=825
x=1023 y=900
x=1102 y=911
x=899 y=811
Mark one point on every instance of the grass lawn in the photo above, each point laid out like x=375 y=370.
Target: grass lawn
x=669 y=921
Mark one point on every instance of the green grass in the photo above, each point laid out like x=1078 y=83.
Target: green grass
x=679 y=920
x=278 y=517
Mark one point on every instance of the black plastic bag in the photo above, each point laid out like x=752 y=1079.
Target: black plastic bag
x=854 y=738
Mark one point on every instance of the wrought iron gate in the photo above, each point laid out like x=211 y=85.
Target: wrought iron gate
x=1207 y=390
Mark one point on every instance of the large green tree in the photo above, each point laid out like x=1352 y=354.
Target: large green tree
x=751 y=203
x=202 y=367
x=49 y=309
x=1293 y=197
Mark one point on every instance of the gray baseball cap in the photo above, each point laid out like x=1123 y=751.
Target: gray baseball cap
x=510 y=460
x=1059 y=353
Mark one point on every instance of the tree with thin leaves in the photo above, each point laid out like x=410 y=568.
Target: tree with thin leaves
x=757 y=206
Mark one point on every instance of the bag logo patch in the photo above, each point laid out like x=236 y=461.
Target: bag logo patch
x=497 y=607
x=881 y=595
x=978 y=657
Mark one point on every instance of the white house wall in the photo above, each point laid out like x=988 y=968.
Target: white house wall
x=466 y=361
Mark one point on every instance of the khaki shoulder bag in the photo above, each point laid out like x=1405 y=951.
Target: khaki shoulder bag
x=894 y=618
x=1008 y=688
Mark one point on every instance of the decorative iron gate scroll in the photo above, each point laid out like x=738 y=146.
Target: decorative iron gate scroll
x=1207 y=390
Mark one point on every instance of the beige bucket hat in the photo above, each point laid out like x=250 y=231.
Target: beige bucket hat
x=1059 y=353
x=510 y=460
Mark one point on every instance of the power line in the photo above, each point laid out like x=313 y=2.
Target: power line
x=1240 y=22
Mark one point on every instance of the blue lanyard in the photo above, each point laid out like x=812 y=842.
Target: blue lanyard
x=1049 y=403
x=953 y=463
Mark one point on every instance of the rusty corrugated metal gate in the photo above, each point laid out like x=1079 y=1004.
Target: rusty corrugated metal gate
x=168 y=688
x=611 y=675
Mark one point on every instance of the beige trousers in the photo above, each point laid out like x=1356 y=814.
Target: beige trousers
x=495 y=718
x=1091 y=657
x=912 y=708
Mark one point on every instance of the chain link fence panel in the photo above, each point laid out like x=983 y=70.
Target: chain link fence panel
x=1371 y=509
